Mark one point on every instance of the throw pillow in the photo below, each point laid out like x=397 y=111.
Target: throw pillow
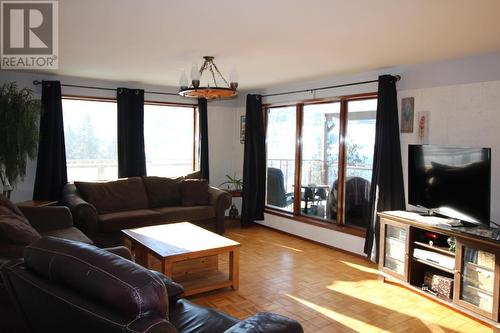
x=193 y=175
x=7 y=203
x=14 y=229
x=115 y=196
x=194 y=192
x=163 y=191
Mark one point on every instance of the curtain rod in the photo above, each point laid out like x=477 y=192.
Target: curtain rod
x=36 y=82
x=397 y=77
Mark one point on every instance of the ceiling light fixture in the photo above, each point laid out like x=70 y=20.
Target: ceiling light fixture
x=195 y=90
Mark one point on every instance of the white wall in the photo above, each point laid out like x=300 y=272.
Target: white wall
x=221 y=115
x=462 y=95
x=461 y=115
x=463 y=98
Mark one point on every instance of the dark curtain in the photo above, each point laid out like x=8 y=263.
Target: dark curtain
x=51 y=174
x=204 y=165
x=254 y=164
x=131 y=156
x=387 y=189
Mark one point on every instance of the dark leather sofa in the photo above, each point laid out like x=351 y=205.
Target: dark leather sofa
x=66 y=286
x=46 y=221
x=19 y=226
x=102 y=209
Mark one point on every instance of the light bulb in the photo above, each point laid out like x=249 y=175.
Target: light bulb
x=183 y=81
x=233 y=78
x=195 y=73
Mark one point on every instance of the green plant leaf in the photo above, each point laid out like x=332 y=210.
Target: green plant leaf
x=19 y=115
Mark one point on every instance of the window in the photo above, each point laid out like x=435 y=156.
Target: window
x=335 y=152
x=359 y=146
x=90 y=134
x=280 y=157
x=170 y=139
x=320 y=158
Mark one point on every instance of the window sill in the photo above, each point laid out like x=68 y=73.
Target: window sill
x=355 y=231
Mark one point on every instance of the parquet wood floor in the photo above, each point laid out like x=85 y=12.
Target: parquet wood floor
x=326 y=290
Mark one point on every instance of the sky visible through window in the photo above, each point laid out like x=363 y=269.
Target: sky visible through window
x=168 y=139
x=90 y=130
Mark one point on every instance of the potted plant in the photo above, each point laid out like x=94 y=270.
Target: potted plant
x=234 y=187
x=233 y=183
x=19 y=114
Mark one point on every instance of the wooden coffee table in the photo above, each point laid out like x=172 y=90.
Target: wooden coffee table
x=192 y=250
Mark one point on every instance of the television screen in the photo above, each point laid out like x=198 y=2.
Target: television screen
x=451 y=181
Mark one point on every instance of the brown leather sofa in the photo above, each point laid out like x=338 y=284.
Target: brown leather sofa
x=102 y=209
x=19 y=226
x=65 y=286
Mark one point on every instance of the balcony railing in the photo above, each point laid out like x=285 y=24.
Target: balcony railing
x=317 y=171
x=107 y=169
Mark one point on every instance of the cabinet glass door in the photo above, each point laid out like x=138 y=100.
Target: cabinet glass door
x=395 y=249
x=477 y=278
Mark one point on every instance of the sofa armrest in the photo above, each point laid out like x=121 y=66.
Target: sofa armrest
x=48 y=218
x=220 y=200
x=84 y=214
x=121 y=251
x=266 y=322
x=174 y=289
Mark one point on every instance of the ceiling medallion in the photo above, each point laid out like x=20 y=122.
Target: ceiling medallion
x=195 y=90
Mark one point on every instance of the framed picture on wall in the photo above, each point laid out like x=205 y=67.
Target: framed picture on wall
x=407 y=109
x=423 y=122
x=242 y=129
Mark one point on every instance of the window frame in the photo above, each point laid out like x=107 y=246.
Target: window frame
x=195 y=157
x=296 y=215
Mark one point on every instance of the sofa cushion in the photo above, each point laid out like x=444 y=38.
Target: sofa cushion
x=194 y=192
x=104 y=277
x=10 y=205
x=180 y=213
x=189 y=317
x=115 y=196
x=117 y=221
x=193 y=175
x=163 y=191
x=15 y=229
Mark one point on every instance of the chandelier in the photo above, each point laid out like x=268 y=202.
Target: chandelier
x=220 y=89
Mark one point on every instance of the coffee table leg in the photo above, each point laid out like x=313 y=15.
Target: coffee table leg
x=234 y=268
x=167 y=267
x=141 y=255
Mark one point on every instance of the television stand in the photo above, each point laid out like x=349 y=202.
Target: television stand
x=451 y=221
x=422 y=253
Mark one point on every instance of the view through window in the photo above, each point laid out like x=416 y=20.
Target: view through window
x=90 y=133
x=169 y=139
x=281 y=157
x=336 y=149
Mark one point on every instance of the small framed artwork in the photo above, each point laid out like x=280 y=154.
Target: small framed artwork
x=423 y=119
x=407 y=107
x=242 y=129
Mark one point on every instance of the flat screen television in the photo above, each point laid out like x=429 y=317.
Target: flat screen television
x=451 y=181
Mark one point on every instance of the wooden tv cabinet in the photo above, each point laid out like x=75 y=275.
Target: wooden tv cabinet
x=474 y=266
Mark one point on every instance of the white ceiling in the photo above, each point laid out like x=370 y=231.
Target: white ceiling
x=270 y=42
